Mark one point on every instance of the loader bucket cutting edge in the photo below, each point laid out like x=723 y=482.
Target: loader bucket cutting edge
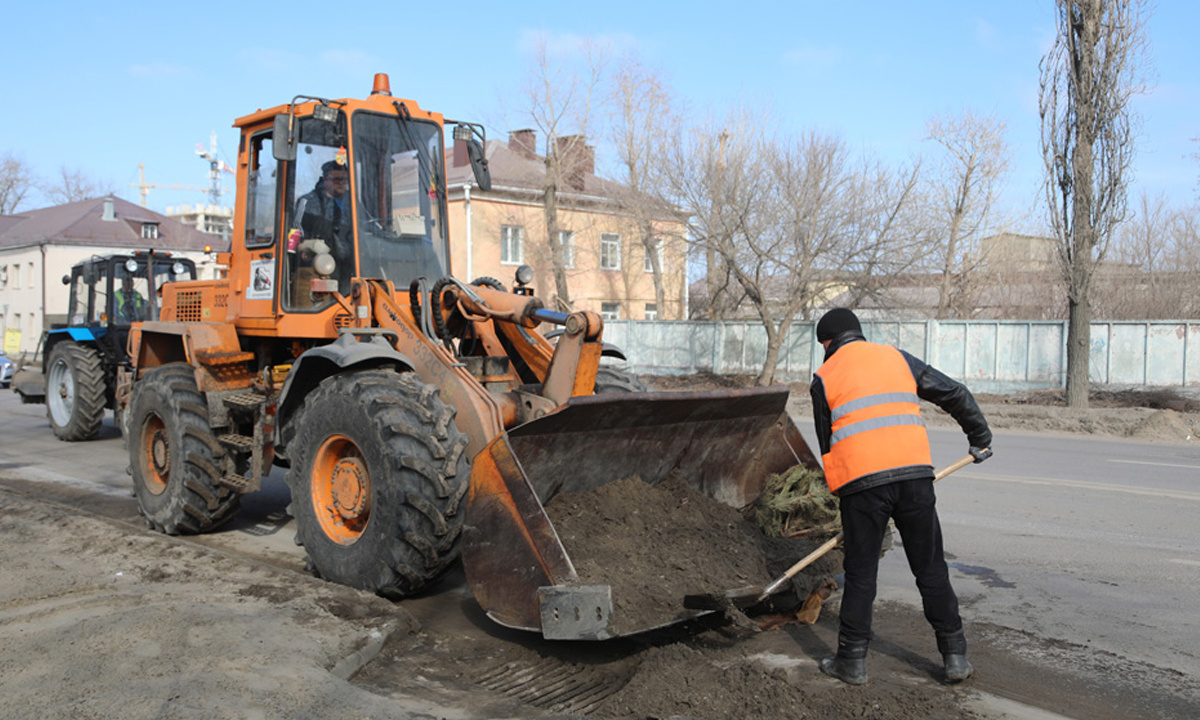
x=725 y=443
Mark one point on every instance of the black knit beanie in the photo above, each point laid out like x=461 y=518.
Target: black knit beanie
x=835 y=322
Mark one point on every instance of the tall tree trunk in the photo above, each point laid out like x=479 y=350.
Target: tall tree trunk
x=656 y=270
x=550 y=207
x=1079 y=334
x=774 y=340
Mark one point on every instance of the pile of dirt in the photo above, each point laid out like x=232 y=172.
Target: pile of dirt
x=654 y=545
x=697 y=680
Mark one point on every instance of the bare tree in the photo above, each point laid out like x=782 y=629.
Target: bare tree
x=792 y=222
x=561 y=98
x=717 y=177
x=15 y=181
x=965 y=185
x=1087 y=81
x=1151 y=267
x=73 y=186
x=643 y=116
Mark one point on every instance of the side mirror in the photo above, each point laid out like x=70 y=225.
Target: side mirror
x=66 y=279
x=283 y=143
x=479 y=165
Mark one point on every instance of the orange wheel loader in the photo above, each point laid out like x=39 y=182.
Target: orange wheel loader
x=420 y=417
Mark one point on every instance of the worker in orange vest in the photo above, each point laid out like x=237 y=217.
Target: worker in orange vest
x=866 y=405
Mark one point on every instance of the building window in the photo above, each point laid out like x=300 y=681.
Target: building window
x=610 y=251
x=610 y=311
x=566 y=238
x=658 y=249
x=149 y=231
x=512 y=244
x=32 y=279
x=651 y=311
x=17 y=275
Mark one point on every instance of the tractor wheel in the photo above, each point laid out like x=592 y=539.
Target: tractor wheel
x=175 y=459
x=613 y=380
x=75 y=392
x=378 y=476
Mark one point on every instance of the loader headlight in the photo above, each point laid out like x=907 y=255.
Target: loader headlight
x=324 y=264
x=524 y=275
x=178 y=268
x=131 y=265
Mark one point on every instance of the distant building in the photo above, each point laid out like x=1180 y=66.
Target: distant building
x=209 y=219
x=492 y=233
x=1013 y=252
x=39 y=247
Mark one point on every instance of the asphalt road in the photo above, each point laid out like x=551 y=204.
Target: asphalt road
x=1091 y=542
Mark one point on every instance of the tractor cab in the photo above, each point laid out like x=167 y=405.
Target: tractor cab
x=110 y=293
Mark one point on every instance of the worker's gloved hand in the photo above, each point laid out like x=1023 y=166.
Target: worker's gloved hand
x=980 y=454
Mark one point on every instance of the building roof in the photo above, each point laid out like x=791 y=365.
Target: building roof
x=517 y=169
x=84 y=223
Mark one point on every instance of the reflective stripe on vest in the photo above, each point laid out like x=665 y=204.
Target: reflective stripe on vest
x=874 y=411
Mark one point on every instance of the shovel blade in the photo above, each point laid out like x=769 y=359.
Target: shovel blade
x=725 y=443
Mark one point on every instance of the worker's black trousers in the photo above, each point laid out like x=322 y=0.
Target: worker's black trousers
x=864 y=521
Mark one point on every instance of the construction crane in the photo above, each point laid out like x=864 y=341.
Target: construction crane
x=215 y=167
x=144 y=187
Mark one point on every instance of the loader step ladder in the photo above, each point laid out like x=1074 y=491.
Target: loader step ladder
x=250 y=404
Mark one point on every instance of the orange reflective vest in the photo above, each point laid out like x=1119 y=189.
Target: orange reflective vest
x=875 y=413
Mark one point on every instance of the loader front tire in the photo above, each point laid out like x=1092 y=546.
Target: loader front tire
x=75 y=392
x=174 y=458
x=378 y=478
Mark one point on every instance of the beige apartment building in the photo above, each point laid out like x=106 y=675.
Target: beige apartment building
x=493 y=233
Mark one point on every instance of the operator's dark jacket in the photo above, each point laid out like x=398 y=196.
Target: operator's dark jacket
x=933 y=386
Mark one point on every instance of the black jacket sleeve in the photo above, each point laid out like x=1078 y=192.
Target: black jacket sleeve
x=821 y=414
x=951 y=396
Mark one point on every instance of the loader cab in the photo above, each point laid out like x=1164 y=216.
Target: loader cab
x=365 y=197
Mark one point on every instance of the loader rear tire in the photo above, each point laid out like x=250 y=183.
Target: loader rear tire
x=174 y=457
x=75 y=392
x=378 y=477
x=614 y=380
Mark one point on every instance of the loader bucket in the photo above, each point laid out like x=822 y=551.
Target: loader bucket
x=724 y=442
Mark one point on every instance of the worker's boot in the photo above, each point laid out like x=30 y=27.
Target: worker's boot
x=953 y=648
x=850 y=663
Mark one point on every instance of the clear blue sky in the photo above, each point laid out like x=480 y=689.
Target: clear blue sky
x=102 y=87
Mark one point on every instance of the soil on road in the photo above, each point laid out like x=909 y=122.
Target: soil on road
x=100 y=618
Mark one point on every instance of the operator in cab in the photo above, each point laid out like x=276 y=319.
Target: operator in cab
x=325 y=222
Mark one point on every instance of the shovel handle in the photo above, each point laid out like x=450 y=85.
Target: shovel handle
x=808 y=559
x=832 y=542
x=954 y=466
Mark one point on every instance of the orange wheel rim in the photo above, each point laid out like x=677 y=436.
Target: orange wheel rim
x=156 y=455
x=341 y=490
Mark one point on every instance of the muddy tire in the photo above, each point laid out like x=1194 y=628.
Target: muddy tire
x=378 y=477
x=613 y=380
x=174 y=457
x=75 y=392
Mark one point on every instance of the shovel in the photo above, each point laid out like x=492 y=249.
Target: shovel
x=747 y=596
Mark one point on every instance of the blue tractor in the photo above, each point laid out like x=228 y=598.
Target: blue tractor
x=80 y=359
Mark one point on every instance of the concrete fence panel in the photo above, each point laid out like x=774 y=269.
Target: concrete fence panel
x=989 y=356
